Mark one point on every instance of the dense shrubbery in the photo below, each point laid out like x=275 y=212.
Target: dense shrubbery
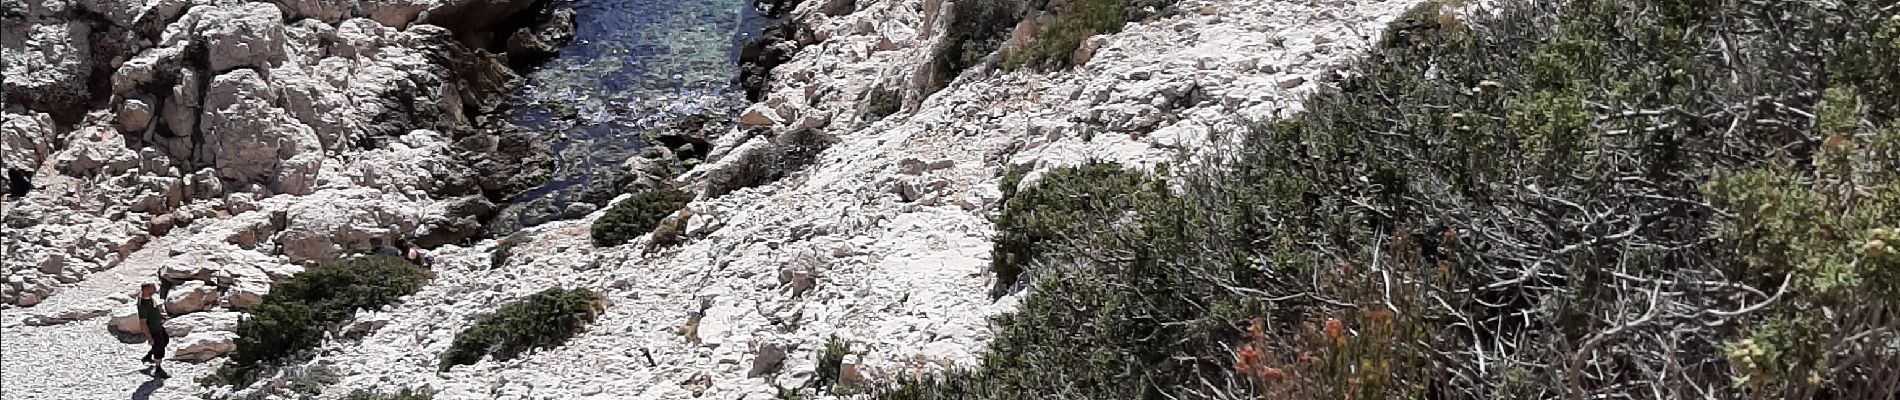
x=1046 y=218
x=638 y=215
x=297 y=312
x=543 y=320
x=1590 y=199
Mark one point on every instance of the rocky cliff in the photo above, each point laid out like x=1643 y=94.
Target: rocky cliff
x=234 y=143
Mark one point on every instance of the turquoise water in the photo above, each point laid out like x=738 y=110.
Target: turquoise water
x=634 y=66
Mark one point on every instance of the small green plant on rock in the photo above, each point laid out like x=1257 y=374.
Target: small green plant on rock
x=831 y=360
x=543 y=320
x=506 y=249
x=636 y=216
x=881 y=102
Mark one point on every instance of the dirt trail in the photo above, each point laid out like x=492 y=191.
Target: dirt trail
x=80 y=360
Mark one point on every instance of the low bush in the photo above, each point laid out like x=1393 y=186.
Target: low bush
x=831 y=361
x=543 y=320
x=506 y=249
x=881 y=102
x=298 y=311
x=637 y=216
x=1055 y=48
x=1067 y=203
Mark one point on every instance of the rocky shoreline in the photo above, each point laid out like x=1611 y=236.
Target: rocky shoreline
x=291 y=133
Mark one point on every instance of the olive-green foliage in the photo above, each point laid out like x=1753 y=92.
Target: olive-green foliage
x=1500 y=195
x=975 y=29
x=1068 y=202
x=543 y=320
x=1055 y=48
x=1419 y=25
x=831 y=360
x=295 y=314
x=404 y=394
x=881 y=102
x=636 y=216
x=506 y=249
x=1830 y=233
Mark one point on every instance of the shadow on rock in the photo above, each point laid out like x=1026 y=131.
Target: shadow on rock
x=145 y=390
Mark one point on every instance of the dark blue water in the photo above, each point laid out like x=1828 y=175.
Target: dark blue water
x=634 y=66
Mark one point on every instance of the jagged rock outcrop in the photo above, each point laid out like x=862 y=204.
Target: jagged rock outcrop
x=172 y=117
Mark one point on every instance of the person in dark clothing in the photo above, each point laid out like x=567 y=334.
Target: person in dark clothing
x=153 y=323
x=379 y=247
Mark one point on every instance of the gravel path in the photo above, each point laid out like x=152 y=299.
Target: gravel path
x=79 y=359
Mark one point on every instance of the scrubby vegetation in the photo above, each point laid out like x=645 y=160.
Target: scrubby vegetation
x=298 y=311
x=881 y=102
x=638 y=215
x=506 y=249
x=1076 y=21
x=831 y=361
x=975 y=29
x=543 y=320
x=1586 y=199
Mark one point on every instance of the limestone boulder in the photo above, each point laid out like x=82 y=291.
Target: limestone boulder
x=190 y=297
x=204 y=346
x=241 y=35
x=213 y=321
x=26 y=139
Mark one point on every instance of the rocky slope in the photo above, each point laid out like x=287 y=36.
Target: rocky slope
x=288 y=134
x=882 y=239
x=253 y=138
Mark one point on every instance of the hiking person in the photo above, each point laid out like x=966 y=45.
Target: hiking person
x=416 y=255
x=152 y=323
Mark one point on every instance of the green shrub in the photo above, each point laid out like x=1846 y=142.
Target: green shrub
x=881 y=102
x=404 y=394
x=1055 y=47
x=974 y=30
x=831 y=360
x=1571 y=195
x=543 y=320
x=637 y=216
x=506 y=249
x=297 y=312
x=1066 y=202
